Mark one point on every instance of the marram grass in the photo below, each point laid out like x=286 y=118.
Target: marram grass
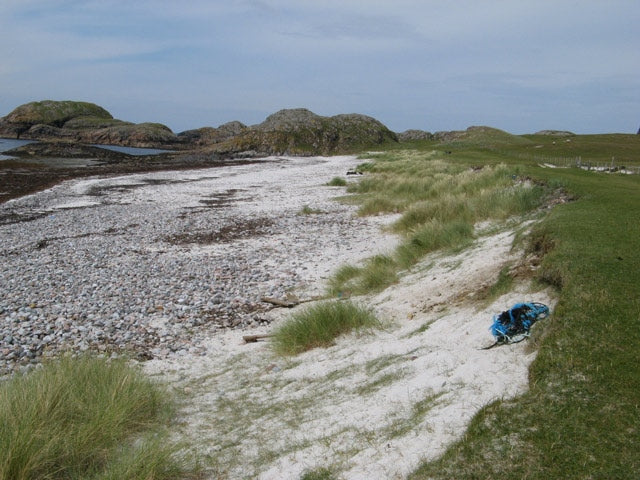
x=337 y=182
x=85 y=418
x=319 y=325
x=377 y=273
x=439 y=202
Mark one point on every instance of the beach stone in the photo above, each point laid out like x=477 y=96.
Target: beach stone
x=117 y=288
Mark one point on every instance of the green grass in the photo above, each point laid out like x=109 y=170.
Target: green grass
x=337 y=182
x=439 y=201
x=594 y=149
x=319 y=325
x=318 y=474
x=433 y=235
x=376 y=274
x=307 y=210
x=580 y=417
x=85 y=418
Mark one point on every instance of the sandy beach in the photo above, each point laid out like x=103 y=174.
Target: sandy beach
x=172 y=266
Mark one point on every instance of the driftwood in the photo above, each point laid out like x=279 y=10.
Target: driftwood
x=280 y=303
x=289 y=303
x=254 y=338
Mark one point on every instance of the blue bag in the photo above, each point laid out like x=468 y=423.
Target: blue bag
x=513 y=325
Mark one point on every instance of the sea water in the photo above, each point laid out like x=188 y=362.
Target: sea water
x=132 y=150
x=10 y=144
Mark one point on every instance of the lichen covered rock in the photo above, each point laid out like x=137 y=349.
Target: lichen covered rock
x=413 y=135
x=290 y=131
x=53 y=113
x=210 y=135
x=81 y=122
x=302 y=132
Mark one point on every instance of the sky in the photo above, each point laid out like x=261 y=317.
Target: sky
x=518 y=65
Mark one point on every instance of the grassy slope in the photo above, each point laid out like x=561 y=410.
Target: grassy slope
x=580 y=418
x=594 y=148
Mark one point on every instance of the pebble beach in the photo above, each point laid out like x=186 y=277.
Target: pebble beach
x=150 y=264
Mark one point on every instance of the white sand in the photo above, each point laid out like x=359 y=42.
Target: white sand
x=373 y=406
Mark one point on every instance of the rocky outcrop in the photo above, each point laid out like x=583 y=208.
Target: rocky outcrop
x=59 y=149
x=92 y=123
x=146 y=135
x=302 y=132
x=555 y=133
x=210 y=135
x=479 y=135
x=53 y=113
x=81 y=122
x=413 y=135
x=293 y=131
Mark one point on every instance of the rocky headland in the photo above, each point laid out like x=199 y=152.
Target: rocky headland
x=81 y=122
x=71 y=129
x=289 y=131
x=414 y=135
x=302 y=132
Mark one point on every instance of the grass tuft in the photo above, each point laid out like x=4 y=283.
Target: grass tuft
x=307 y=210
x=318 y=474
x=85 y=418
x=337 y=182
x=319 y=325
x=502 y=285
x=432 y=236
x=377 y=273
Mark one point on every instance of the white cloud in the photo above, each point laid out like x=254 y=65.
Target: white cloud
x=399 y=59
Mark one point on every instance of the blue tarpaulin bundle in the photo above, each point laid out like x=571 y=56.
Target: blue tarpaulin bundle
x=513 y=325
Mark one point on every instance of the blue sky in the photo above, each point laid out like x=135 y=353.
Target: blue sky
x=518 y=65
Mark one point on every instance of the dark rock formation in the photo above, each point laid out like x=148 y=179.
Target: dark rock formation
x=81 y=122
x=132 y=135
x=231 y=129
x=210 y=135
x=61 y=149
x=296 y=132
x=290 y=119
x=54 y=113
x=412 y=135
x=555 y=133
x=480 y=135
x=302 y=132
x=92 y=123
